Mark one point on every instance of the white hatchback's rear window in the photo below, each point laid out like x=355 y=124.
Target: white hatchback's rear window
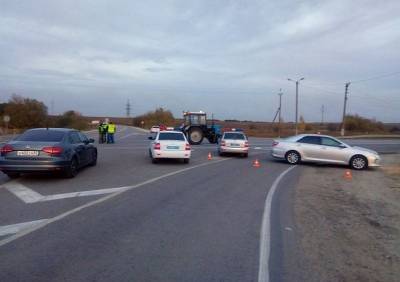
x=171 y=136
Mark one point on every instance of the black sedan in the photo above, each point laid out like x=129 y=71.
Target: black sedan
x=48 y=149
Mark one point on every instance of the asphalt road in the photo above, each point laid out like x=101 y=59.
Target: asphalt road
x=130 y=220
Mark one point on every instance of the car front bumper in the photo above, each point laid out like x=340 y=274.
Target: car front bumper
x=374 y=161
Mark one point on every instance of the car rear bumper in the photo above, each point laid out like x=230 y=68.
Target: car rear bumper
x=238 y=150
x=171 y=154
x=13 y=166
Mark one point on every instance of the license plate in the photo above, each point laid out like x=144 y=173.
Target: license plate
x=173 y=147
x=235 y=145
x=27 y=153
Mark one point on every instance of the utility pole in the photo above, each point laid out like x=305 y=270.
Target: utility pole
x=322 y=113
x=52 y=107
x=280 y=112
x=346 y=91
x=128 y=109
x=297 y=101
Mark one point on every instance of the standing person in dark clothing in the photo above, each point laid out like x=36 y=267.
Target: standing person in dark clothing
x=104 y=132
x=101 y=133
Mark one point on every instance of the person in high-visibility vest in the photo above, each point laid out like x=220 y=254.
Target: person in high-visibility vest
x=112 y=128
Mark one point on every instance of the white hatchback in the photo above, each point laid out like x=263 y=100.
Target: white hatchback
x=234 y=142
x=169 y=145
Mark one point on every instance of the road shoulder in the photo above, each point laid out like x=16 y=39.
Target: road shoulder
x=349 y=229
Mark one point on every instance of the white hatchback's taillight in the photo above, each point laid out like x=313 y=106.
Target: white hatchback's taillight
x=157 y=146
x=246 y=144
x=275 y=143
x=223 y=143
x=187 y=147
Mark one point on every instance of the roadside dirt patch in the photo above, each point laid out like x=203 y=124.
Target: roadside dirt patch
x=350 y=229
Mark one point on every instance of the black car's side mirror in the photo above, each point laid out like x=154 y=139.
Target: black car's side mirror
x=91 y=140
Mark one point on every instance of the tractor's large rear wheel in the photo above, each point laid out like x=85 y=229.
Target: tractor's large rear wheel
x=195 y=136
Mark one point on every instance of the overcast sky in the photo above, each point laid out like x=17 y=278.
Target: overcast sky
x=229 y=58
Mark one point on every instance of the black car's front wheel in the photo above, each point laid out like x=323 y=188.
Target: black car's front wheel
x=93 y=162
x=13 y=175
x=72 y=169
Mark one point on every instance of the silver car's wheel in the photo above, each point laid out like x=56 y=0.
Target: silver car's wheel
x=358 y=162
x=292 y=157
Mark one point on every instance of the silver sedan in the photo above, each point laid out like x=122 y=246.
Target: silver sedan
x=323 y=149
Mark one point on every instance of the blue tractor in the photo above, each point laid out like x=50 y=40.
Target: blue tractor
x=196 y=129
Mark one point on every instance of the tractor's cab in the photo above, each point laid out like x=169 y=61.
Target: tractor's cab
x=195 y=118
x=195 y=127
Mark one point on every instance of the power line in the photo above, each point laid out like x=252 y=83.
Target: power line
x=376 y=77
x=358 y=80
x=321 y=89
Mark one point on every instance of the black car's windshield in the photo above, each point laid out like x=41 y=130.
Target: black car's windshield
x=171 y=136
x=41 y=136
x=234 y=136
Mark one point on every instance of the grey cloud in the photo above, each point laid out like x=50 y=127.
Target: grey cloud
x=228 y=57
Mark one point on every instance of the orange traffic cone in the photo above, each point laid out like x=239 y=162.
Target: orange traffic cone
x=209 y=157
x=347 y=175
x=256 y=163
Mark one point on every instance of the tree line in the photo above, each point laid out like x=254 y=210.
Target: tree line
x=29 y=113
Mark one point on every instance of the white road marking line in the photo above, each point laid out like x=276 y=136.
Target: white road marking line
x=29 y=196
x=82 y=194
x=126 y=136
x=15 y=228
x=98 y=201
x=22 y=192
x=141 y=129
x=265 y=235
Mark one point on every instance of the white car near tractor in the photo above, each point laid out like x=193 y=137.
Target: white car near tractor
x=169 y=145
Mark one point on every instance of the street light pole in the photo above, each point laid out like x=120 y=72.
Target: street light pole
x=280 y=112
x=297 y=100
